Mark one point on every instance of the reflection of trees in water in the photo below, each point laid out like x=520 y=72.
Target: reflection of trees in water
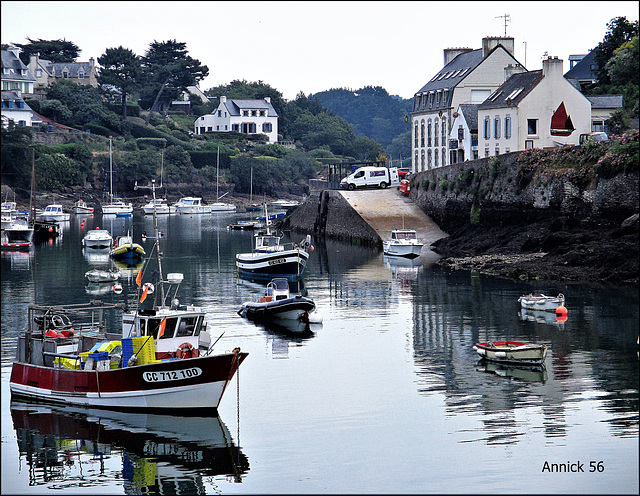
x=452 y=313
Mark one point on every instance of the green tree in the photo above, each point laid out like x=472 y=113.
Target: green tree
x=170 y=70
x=56 y=110
x=52 y=50
x=122 y=69
x=619 y=30
x=85 y=103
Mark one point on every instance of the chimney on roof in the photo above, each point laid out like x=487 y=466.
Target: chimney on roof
x=223 y=99
x=552 y=67
x=92 y=61
x=511 y=69
x=267 y=99
x=452 y=53
x=490 y=42
x=14 y=50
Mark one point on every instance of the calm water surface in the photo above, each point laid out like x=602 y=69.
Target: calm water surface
x=386 y=396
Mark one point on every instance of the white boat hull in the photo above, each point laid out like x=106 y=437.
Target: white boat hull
x=117 y=209
x=202 y=209
x=402 y=250
x=541 y=302
x=512 y=352
x=285 y=263
x=223 y=207
x=55 y=217
x=97 y=241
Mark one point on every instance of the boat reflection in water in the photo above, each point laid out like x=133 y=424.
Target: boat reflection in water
x=161 y=454
x=542 y=317
x=525 y=373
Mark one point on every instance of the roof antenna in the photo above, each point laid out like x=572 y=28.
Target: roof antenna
x=507 y=18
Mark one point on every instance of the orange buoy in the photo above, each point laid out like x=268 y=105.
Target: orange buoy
x=561 y=310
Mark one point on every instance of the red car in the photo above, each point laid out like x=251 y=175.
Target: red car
x=402 y=173
x=404 y=187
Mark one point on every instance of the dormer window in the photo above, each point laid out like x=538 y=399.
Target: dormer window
x=65 y=74
x=81 y=75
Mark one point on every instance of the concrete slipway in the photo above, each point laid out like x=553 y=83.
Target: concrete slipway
x=388 y=209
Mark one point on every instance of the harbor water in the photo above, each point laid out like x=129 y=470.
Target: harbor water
x=387 y=395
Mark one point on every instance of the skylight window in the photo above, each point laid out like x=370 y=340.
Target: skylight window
x=495 y=95
x=514 y=93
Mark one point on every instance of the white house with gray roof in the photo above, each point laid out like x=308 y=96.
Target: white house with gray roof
x=15 y=110
x=468 y=77
x=536 y=109
x=15 y=75
x=242 y=116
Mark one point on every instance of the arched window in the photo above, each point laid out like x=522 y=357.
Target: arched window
x=422 y=133
x=429 y=158
x=421 y=160
x=415 y=135
x=444 y=132
x=435 y=133
x=435 y=158
x=444 y=157
x=429 y=132
x=415 y=159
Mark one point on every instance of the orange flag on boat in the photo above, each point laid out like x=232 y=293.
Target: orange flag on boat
x=139 y=278
x=162 y=326
x=144 y=294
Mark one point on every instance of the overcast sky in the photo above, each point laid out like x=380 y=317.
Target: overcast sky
x=315 y=46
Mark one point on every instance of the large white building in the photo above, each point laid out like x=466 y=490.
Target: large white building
x=468 y=77
x=242 y=116
x=536 y=109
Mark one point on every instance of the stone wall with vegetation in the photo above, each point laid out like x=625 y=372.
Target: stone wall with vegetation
x=597 y=180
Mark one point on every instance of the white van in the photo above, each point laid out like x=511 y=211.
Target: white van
x=371 y=177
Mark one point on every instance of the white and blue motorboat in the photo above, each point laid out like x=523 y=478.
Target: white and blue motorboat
x=278 y=303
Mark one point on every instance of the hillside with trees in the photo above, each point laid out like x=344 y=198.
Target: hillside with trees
x=373 y=113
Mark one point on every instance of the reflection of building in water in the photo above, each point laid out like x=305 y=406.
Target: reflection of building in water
x=450 y=316
x=163 y=454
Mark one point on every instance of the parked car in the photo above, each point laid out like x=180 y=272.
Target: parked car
x=405 y=186
x=595 y=136
x=402 y=172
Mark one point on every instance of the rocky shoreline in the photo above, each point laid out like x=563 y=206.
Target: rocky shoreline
x=556 y=250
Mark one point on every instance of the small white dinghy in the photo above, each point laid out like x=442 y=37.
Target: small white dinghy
x=101 y=275
x=541 y=302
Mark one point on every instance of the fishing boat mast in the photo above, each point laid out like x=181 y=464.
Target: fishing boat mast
x=156 y=240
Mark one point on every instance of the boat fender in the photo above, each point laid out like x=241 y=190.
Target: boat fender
x=501 y=354
x=51 y=334
x=185 y=350
x=481 y=351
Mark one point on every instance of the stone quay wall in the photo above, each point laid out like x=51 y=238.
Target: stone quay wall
x=327 y=213
x=491 y=192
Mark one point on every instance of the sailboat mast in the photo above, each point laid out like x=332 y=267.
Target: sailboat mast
x=251 y=189
x=32 y=201
x=157 y=242
x=217 y=173
x=110 y=173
